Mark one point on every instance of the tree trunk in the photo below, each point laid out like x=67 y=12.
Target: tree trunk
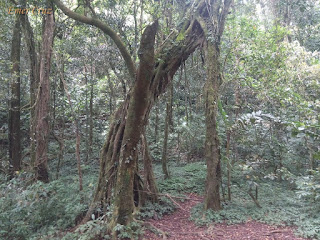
x=162 y=74
x=156 y=127
x=212 y=151
x=42 y=102
x=76 y=123
x=91 y=118
x=14 y=111
x=150 y=190
x=117 y=161
x=213 y=23
x=228 y=164
x=87 y=116
x=165 y=145
x=138 y=107
x=34 y=82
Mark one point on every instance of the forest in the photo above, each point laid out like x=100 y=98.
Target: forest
x=159 y=119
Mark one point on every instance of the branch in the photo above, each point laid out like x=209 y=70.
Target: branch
x=106 y=29
x=223 y=16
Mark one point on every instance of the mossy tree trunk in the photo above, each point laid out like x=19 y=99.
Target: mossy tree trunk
x=137 y=109
x=118 y=167
x=213 y=24
x=150 y=189
x=212 y=151
x=112 y=151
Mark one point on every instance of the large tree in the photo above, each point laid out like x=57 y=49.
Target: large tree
x=42 y=101
x=213 y=25
x=118 y=162
x=14 y=110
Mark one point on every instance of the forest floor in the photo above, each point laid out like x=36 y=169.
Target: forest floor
x=178 y=226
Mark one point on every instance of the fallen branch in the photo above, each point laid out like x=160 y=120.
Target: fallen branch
x=251 y=195
x=175 y=202
x=254 y=199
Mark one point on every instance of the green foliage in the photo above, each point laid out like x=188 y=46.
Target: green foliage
x=280 y=206
x=132 y=231
x=37 y=210
x=309 y=187
x=184 y=179
x=91 y=230
x=157 y=210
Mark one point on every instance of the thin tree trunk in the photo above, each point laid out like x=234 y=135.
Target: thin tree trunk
x=136 y=32
x=42 y=102
x=112 y=95
x=156 y=127
x=165 y=145
x=228 y=164
x=14 y=110
x=61 y=143
x=62 y=128
x=171 y=106
x=34 y=82
x=87 y=116
x=76 y=123
x=186 y=111
x=53 y=92
x=91 y=119
x=141 y=16
x=91 y=107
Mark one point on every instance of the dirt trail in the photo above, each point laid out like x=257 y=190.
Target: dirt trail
x=177 y=226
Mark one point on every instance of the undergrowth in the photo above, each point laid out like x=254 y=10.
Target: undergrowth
x=47 y=211
x=280 y=206
x=37 y=210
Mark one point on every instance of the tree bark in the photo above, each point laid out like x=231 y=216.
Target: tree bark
x=213 y=23
x=42 y=102
x=34 y=82
x=138 y=107
x=14 y=110
x=212 y=151
x=150 y=190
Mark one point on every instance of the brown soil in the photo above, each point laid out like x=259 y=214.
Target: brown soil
x=177 y=226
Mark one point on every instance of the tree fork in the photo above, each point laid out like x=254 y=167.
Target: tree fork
x=117 y=149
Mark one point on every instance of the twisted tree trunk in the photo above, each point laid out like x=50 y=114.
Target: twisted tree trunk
x=118 y=166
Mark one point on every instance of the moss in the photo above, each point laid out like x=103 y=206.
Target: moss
x=181 y=36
